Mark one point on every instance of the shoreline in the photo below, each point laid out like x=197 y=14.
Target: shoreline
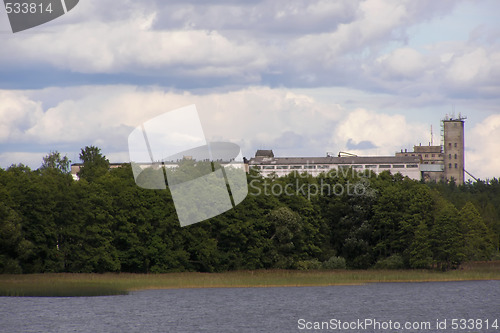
x=95 y=284
x=307 y=285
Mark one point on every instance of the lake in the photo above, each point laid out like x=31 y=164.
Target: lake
x=470 y=306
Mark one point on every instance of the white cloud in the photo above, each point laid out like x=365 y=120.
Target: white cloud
x=446 y=70
x=17 y=113
x=276 y=17
x=476 y=66
x=388 y=133
x=403 y=63
x=105 y=116
x=87 y=119
x=379 y=17
x=131 y=46
x=375 y=20
x=481 y=157
x=243 y=42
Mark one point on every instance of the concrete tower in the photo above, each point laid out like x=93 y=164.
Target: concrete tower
x=453 y=149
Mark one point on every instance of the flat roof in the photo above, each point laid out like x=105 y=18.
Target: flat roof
x=336 y=160
x=427 y=149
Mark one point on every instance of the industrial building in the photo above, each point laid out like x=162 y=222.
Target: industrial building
x=267 y=164
x=431 y=163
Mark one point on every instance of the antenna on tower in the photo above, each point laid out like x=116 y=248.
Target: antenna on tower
x=432 y=137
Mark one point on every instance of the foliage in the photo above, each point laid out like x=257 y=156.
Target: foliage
x=55 y=161
x=94 y=164
x=393 y=262
x=478 y=243
x=420 y=248
x=335 y=263
x=312 y=264
x=106 y=223
x=447 y=242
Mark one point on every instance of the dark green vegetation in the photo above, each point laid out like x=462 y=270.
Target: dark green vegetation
x=50 y=223
x=84 y=284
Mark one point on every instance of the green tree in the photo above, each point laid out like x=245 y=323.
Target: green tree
x=477 y=238
x=446 y=237
x=36 y=198
x=54 y=160
x=401 y=206
x=286 y=229
x=94 y=164
x=90 y=244
x=13 y=247
x=420 y=248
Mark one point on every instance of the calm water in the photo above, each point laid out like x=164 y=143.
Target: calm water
x=258 y=309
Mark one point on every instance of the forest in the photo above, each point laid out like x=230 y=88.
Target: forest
x=104 y=222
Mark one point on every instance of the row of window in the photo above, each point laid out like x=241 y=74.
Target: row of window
x=434 y=155
x=312 y=167
x=425 y=155
x=456 y=166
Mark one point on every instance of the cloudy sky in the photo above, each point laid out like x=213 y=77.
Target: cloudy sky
x=300 y=77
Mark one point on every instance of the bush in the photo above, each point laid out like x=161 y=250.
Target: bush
x=495 y=256
x=393 y=262
x=305 y=265
x=9 y=266
x=334 y=263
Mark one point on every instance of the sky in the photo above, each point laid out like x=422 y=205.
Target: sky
x=302 y=78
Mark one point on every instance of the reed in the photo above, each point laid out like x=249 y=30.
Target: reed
x=69 y=284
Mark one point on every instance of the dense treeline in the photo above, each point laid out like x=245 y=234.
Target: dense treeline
x=106 y=223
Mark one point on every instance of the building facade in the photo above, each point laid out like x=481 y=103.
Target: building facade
x=269 y=165
x=430 y=163
x=447 y=161
x=453 y=149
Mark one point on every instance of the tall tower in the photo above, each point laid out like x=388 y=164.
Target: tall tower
x=453 y=148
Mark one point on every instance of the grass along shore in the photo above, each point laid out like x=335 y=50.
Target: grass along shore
x=71 y=284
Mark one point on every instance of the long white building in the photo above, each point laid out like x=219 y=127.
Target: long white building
x=266 y=163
